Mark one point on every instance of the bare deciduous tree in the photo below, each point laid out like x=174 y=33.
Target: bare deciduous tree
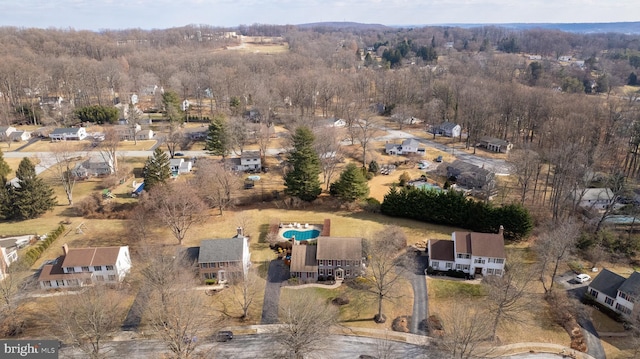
x=244 y=291
x=508 y=296
x=305 y=323
x=465 y=328
x=386 y=264
x=65 y=160
x=554 y=247
x=108 y=148
x=366 y=129
x=88 y=318
x=174 y=139
x=177 y=206
x=217 y=184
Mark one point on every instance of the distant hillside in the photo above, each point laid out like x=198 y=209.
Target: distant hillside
x=581 y=28
x=343 y=25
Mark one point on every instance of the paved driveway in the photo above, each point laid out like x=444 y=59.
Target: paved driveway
x=420 y=298
x=277 y=274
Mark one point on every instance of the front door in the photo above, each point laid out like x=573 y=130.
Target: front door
x=339 y=274
x=478 y=270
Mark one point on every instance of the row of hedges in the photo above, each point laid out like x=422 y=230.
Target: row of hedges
x=34 y=253
x=453 y=208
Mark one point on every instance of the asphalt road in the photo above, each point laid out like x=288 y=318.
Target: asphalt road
x=264 y=346
x=277 y=274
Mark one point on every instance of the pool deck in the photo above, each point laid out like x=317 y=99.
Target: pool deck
x=298 y=227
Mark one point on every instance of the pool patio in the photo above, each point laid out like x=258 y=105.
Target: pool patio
x=281 y=227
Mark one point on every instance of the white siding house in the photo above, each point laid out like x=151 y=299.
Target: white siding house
x=616 y=292
x=85 y=266
x=64 y=134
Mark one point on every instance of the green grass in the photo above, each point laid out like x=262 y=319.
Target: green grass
x=444 y=288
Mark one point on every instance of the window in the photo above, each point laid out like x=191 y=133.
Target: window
x=463 y=255
x=499 y=260
x=109 y=267
x=609 y=301
x=100 y=278
x=594 y=293
x=458 y=266
x=60 y=283
x=434 y=264
x=112 y=277
x=498 y=272
x=71 y=270
x=47 y=283
x=329 y=263
x=97 y=268
x=449 y=265
x=479 y=261
x=489 y=271
x=626 y=297
x=85 y=269
x=622 y=308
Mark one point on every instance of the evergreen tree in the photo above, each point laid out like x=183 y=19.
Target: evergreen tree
x=351 y=185
x=156 y=170
x=4 y=167
x=217 y=137
x=5 y=200
x=303 y=179
x=172 y=107
x=30 y=197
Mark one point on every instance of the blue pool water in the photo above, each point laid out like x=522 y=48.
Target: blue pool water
x=301 y=235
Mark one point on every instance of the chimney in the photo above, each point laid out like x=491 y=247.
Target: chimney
x=239 y=233
x=501 y=230
x=65 y=249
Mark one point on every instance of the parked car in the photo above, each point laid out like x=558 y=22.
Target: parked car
x=224 y=336
x=439 y=159
x=582 y=278
x=178 y=154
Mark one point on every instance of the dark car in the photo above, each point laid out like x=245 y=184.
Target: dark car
x=224 y=336
x=178 y=154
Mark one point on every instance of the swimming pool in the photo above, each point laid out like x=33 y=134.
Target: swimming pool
x=301 y=235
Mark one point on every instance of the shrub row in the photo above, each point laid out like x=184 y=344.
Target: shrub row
x=34 y=253
x=452 y=208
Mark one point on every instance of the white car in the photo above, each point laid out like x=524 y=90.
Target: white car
x=582 y=278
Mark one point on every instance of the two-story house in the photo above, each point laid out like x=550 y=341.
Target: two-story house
x=447 y=129
x=338 y=257
x=224 y=259
x=248 y=161
x=616 y=292
x=133 y=132
x=85 y=266
x=470 y=252
x=179 y=166
x=64 y=134
x=408 y=146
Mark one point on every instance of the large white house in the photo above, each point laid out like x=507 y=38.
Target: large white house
x=86 y=266
x=470 y=252
x=248 y=161
x=408 y=146
x=64 y=134
x=615 y=291
x=594 y=198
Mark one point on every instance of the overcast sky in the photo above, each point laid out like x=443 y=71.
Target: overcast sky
x=160 y=14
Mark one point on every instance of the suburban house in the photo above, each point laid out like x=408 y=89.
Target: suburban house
x=495 y=144
x=248 y=161
x=63 y=134
x=225 y=258
x=408 y=146
x=133 y=132
x=338 y=257
x=470 y=176
x=94 y=166
x=179 y=166
x=20 y=136
x=85 y=266
x=7 y=256
x=593 y=198
x=6 y=131
x=615 y=291
x=447 y=129
x=51 y=101
x=470 y=252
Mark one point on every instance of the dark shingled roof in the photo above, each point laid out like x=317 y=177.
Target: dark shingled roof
x=303 y=258
x=441 y=249
x=607 y=283
x=87 y=257
x=631 y=286
x=220 y=250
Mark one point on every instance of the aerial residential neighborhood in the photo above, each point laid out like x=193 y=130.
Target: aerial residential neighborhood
x=390 y=192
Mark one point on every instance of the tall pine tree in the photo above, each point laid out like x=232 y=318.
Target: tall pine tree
x=4 y=167
x=217 y=137
x=30 y=196
x=351 y=185
x=157 y=169
x=303 y=180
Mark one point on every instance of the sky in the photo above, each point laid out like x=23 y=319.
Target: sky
x=161 y=14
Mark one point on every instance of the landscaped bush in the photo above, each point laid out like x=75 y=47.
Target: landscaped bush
x=341 y=300
x=34 y=253
x=401 y=324
x=210 y=281
x=371 y=205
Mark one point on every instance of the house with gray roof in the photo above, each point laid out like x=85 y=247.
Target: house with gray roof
x=447 y=129
x=64 y=134
x=470 y=176
x=408 y=146
x=615 y=291
x=224 y=259
x=495 y=144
